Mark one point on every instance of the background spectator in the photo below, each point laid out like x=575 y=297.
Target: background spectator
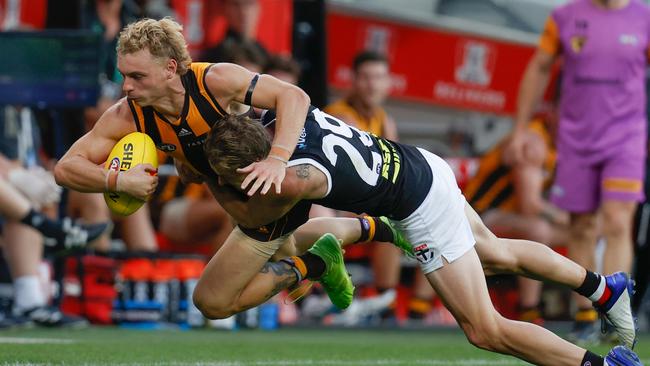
x=283 y=68
x=241 y=17
x=512 y=201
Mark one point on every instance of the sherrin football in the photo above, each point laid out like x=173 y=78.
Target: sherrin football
x=133 y=149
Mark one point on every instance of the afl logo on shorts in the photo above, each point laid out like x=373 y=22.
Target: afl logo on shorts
x=167 y=147
x=423 y=253
x=115 y=165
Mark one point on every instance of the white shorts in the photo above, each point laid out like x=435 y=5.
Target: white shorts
x=439 y=227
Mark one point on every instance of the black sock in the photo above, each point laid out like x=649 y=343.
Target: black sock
x=381 y=232
x=589 y=285
x=592 y=359
x=314 y=264
x=48 y=227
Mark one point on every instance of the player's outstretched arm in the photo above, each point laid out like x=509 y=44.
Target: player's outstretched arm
x=228 y=83
x=81 y=168
x=302 y=182
x=256 y=211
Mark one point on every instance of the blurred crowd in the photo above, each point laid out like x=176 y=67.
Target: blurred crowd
x=36 y=214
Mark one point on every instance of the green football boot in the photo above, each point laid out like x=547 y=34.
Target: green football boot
x=335 y=280
x=398 y=239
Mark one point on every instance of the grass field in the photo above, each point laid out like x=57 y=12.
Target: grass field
x=291 y=347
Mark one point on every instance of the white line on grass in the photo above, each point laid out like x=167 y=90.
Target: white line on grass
x=19 y=340
x=373 y=362
x=377 y=362
x=385 y=362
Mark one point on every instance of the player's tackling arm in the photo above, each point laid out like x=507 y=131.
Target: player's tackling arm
x=81 y=168
x=302 y=182
x=229 y=82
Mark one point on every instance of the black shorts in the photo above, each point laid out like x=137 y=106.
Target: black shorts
x=298 y=215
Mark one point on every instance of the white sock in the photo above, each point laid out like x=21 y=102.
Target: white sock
x=27 y=293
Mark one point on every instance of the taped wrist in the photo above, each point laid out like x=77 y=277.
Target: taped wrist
x=280 y=151
x=111 y=181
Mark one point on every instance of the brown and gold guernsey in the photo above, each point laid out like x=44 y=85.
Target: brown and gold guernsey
x=374 y=125
x=493 y=185
x=183 y=138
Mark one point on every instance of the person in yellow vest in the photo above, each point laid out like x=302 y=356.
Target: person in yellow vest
x=511 y=200
x=362 y=107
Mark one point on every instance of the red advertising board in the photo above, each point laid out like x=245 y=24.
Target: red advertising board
x=431 y=65
x=22 y=15
x=204 y=24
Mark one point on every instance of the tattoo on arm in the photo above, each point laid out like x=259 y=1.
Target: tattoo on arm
x=283 y=274
x=302 y=171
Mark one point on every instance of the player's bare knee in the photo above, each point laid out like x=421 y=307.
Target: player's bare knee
x=212 y=307
x=215 y=310
x=200 y=301
x=485 y=335
x=616 y=226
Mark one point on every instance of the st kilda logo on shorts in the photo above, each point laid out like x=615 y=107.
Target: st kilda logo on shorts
x=423 y=253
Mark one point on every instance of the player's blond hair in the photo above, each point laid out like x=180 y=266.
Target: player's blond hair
x=163 y=38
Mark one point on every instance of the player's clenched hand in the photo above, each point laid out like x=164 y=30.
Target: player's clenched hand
x=263 y=174
x=139 y=181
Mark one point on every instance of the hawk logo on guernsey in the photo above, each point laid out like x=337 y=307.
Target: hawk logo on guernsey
x=423 y=253
x=183 y=132
x=578 y=43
